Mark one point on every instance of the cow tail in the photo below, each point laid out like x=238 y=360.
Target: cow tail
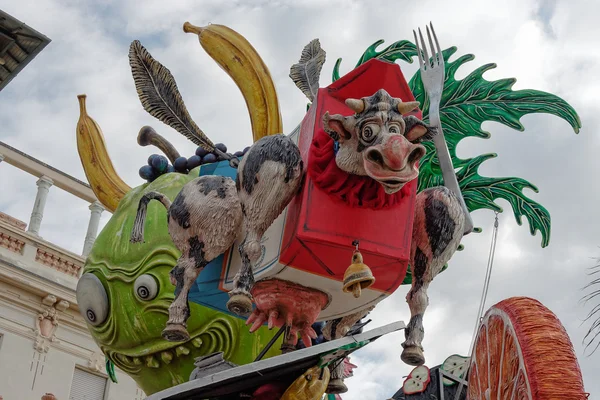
x=137 y=233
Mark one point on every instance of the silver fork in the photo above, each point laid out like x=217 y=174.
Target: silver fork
x=432 y=75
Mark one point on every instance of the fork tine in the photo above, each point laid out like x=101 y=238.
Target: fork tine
x=434 y=55
x=424 y=48
x=439 y=50
x=419 y=56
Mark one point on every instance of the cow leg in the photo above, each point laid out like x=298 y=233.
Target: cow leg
x=437 y=230
x=240 y=299
x=183 y=276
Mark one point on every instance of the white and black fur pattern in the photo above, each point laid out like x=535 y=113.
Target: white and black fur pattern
x=269 y=176
x=204 y=220
x=211 y=211
x=437 y=231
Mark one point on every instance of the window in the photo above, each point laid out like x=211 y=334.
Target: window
x=87 y=386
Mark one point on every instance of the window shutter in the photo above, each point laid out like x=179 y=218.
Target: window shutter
x=87 y=386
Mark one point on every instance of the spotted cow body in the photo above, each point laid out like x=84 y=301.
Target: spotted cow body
x=212 y=211
x=269 y=176
x=204 y=220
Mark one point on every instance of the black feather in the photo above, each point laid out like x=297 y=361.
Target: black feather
x=160 y=97
x=307 y=71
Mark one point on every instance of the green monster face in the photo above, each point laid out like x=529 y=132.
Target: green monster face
x=125 y=292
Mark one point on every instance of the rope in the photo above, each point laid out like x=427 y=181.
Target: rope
x=486 y=285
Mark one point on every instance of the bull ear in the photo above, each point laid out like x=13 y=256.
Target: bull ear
x=416 y=131
x=334 y=126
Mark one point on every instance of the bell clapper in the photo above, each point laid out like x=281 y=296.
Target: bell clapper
x=358 y=276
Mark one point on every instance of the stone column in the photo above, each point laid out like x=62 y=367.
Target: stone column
x=96 y=209
x=37 y=214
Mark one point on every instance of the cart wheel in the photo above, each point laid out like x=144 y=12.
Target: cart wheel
x=523 y=352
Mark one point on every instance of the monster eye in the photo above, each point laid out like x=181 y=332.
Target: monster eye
x=145 y=287
x=369 y=132
x=92 y=299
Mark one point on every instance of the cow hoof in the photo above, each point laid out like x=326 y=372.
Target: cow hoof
x=336 y=386
x=175 y=333
x=240 y=304
x=413 y=355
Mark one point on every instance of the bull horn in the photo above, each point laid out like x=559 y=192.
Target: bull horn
x=404 y=108
x=106 y=184
x=357 y=106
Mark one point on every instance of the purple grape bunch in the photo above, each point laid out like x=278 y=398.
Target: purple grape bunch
x=159 y=165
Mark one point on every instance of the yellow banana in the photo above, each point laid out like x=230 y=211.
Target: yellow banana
x=108 y=187
x=242 y=63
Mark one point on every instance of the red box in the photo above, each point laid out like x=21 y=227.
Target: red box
x=320 y=229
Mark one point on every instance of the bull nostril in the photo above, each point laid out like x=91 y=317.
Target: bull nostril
x=375 y=157
x=416 y=155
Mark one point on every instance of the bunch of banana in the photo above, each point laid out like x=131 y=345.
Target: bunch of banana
x=99 y=170
x=242 y=63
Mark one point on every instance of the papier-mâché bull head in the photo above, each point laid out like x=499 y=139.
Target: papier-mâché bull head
x=378 y=140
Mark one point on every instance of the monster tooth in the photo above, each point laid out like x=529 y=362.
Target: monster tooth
x=137 y=361
x=182 y=350
x=166 y=356
x=177 y=380
x=151 y=362
x=124 y=359
x=197 y=342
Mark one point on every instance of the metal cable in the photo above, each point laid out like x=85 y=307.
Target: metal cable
x=486 y=285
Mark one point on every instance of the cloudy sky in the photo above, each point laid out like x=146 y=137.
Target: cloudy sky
x=547 y=45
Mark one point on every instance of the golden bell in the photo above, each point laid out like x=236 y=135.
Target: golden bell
x=358 y=276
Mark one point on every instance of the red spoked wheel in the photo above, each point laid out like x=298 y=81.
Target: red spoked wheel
x=522 y=352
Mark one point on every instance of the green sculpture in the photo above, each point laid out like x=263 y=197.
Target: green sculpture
x=135 y=278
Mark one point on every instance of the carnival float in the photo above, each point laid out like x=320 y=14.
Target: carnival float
x=249 y=274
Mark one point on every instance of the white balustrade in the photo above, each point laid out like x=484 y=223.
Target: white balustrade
x=37 y=214
x=96 y=210
x=48 y=177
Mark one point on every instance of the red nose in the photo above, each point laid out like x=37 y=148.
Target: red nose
x=396 y=153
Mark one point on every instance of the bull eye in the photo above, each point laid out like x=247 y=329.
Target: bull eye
x=394 y=129
x=92 y=299
x=369 y=132
x=145 y=287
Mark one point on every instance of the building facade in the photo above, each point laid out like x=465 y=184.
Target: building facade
x=45 y=346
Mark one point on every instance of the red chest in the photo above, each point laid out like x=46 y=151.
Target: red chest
x=320 y=227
